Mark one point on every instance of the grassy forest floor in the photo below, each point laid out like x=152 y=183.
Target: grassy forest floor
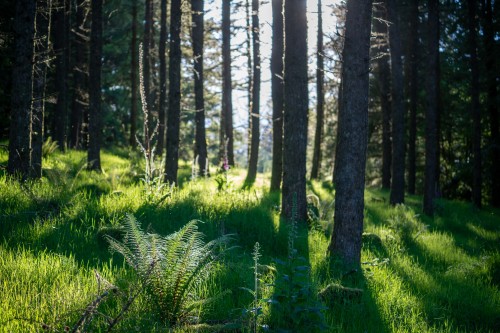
x=418 y=274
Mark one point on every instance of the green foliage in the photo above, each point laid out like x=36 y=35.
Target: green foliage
x=404 y=222
x=221 y=180
x=445 y=279
x=172 y=267
x=294 y=296
x=49 y=147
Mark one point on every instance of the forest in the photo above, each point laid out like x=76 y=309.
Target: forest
x=249 y=166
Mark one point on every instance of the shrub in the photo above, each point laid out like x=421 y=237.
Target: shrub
x=171 y=267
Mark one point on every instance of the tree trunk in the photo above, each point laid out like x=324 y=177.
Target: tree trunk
x=489 y=41
x=320 y=96
x=95 y=110
x=277 y=94
x=339 y=106
x=412 y=80
x=475 y=108
x=398 y=109
x=61 y=20
x=133 y=78
x=80 y=101
x=255 y=137
x=148 y=18
x=431 y=110
x=174 y=93
x=162 y=105
x=197 y=7
x=20 y=125
x=226 y=134
x=352 y=135
x=383 y=76
x=40 y=67
x=249 y=74
x=295 y=115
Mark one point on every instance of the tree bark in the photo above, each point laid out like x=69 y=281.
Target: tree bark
x=174 y=93
x=162 y=105
x=61 y=20
x=352 y=136
x=320 y=96
x=249 y=73
x=412 y=80
x=277 y=94
x=255 y=116
x=226 y=133
x=133 y=78
x=146 y=55
x=40 y=67
x=295 y=114
x=22 y=89
x=475 y=108
x=383 y=78
x=431 y=110
x=198 y=28
x=397 y=195
x=80 y=102
x=95 y=110
x=489 y=41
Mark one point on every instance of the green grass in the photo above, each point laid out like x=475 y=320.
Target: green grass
x=421 y=275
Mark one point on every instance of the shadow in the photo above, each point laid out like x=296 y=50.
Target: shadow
x=247 y=184
x=453 y=295
x=294 y=306
x=356 y=309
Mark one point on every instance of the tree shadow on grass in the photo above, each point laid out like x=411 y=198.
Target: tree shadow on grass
x=293 y=297
x=444 y=266
x=454 y=293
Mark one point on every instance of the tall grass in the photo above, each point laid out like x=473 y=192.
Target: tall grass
x=418 y=274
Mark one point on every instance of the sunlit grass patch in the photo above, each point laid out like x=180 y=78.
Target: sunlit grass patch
x=418 y=274
x=40 y=289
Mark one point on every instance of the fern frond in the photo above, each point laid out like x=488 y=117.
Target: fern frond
x=171 y=267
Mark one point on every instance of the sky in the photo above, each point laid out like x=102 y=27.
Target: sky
x=239 y=70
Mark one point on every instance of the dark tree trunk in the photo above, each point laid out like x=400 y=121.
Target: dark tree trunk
x=339 y=106
x=162 y=105
x=61 y=20
x=95 y=110
x=226 y=131
x=255 y=137
x=475 y=108
x=295 y=115
x=146 y=72
x=320 y=96
x=489 y=41
x=20 y=125
x=80 y=101
x=383 y=76
x=398 y=109
x=412 y=80
x=352 y=135
x=174 y=93
x=277 y=94
x=197 y=7
x=431 y=110
x=133 y=78
x=40 y=66
x=249 y=74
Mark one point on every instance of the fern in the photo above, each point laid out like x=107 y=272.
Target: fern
x=181 y=262
x=49 y=147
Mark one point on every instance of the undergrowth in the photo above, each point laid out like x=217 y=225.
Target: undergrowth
x=418 y=274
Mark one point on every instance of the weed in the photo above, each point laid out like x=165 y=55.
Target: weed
x=293 y=296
